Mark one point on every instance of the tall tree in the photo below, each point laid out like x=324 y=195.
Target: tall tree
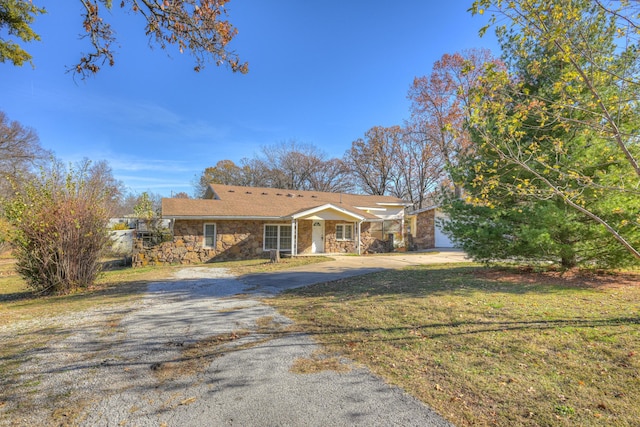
x=371 y=159
x=419 y=166
x=330 y=176
x=440 y=103
x=292 y=164
x=288 y=165
x=566 y=111
x=250 y=172
x=16 y=17
x=20 y=152
x=197 y=26
x=224 y=172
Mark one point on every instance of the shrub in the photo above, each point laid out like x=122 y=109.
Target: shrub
x=120 y=226
x=60 y=228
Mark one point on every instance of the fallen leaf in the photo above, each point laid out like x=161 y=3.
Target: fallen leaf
x=188 y=401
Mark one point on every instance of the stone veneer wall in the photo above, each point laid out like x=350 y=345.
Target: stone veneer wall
x=335 y=246
x=234 y=240
x=425 y=229
x=242 y=240
x=370 y=242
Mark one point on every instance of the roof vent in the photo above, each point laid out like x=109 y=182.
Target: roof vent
x=291 y=195
x=314 y=197
x=232 y=191
x=264 y=194
x=300 y=195
x=278 y=194
x=247 y=192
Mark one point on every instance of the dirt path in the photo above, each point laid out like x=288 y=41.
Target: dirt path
x=200 y=350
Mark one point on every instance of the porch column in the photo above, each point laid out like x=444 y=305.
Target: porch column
x=359 y=237
x=294 y=237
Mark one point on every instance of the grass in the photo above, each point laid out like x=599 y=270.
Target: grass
x=489 y=346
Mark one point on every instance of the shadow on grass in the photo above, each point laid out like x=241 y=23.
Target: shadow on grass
x=437 y=280
x=431 y=331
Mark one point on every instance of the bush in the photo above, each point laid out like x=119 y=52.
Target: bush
x=120 y=226
x=60 y=229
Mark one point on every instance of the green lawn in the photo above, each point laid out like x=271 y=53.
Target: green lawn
x=487 y=346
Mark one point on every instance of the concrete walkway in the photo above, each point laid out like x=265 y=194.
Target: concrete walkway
x=345 y=266
x=164 y=370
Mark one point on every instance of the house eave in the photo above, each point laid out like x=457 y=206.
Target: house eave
x=226 y=217
x=428 y=208
x=328 y=206
x=397 y=204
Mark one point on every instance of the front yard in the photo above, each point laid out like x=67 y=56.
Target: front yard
x=31 y=326
x=488 y=346
x=481 y=346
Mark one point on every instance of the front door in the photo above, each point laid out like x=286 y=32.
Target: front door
x=317 y=237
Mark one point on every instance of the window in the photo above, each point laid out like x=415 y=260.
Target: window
x=344 y=232
x=209 y=233
x=277 y=237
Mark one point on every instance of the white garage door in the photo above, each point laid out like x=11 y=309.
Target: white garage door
x=441 y=239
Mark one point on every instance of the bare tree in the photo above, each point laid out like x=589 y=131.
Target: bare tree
x=371 y=159
x=419 y=165
x=292 y=164
x=287 y=165
x=20 y=152
x=331 y=176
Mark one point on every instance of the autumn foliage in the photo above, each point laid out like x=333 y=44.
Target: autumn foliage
x=198 y=27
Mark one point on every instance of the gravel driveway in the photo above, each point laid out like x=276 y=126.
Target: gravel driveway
x=202 y=350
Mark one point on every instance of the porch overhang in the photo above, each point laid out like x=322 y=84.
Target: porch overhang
x=328 y=212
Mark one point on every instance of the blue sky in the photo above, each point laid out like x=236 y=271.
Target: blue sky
x=319 y=72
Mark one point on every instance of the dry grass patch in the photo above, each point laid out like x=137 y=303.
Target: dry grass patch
x=319 y=361
x=196 y=357
x=253 y=266
x=489 y=346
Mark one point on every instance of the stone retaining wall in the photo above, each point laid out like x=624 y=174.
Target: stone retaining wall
x=234 y=240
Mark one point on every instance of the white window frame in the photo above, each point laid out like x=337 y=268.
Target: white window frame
x=204 y=235
x=279 y=237
x=340 y=236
